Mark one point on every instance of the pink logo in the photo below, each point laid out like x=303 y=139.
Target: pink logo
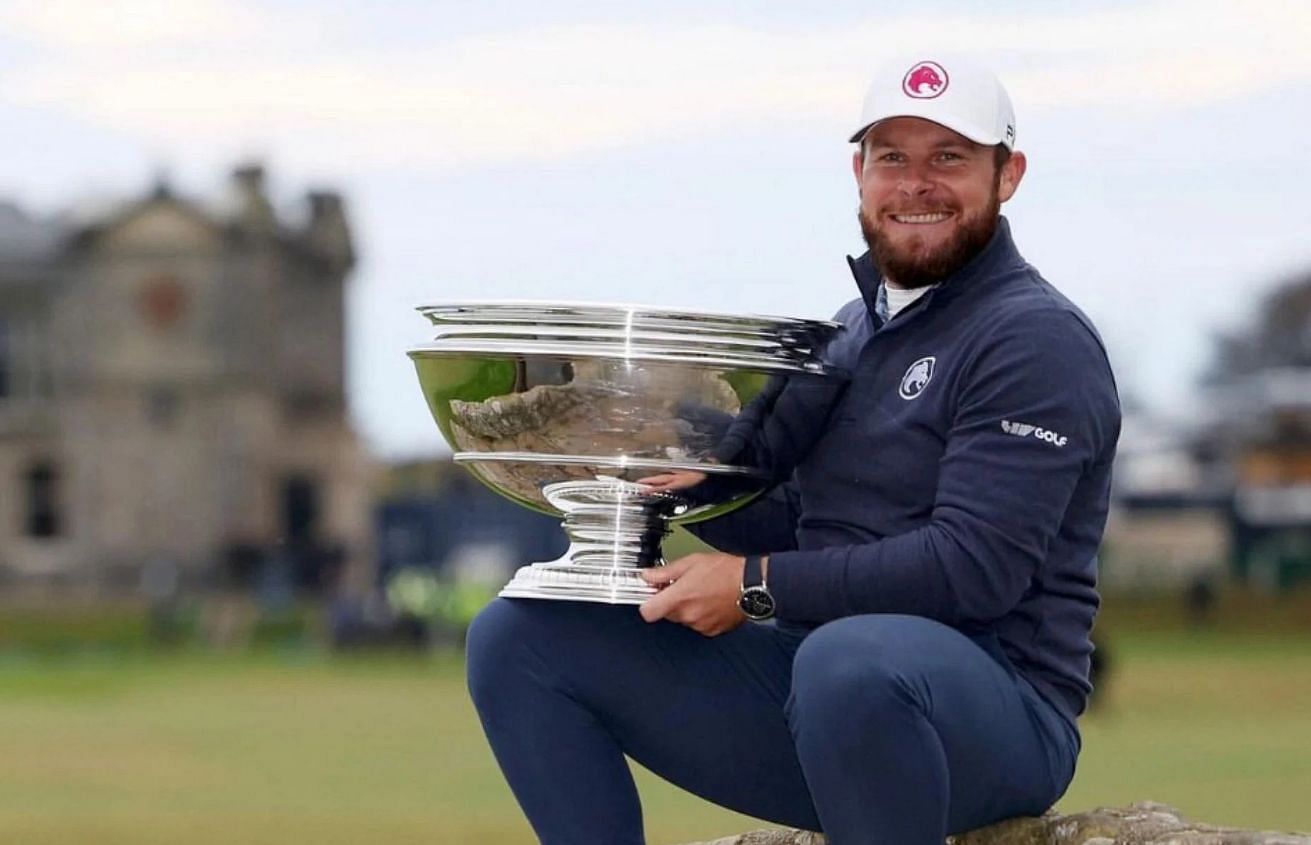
x=924 y=81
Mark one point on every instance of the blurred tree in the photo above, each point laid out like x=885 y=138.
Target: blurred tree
x=1279 y=337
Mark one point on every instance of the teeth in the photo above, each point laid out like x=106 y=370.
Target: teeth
x=936 y=217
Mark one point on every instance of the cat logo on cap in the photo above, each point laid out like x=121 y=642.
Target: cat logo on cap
x=924 y=81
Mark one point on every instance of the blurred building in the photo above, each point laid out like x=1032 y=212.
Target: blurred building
x=434 y=515
x=1226 y=489
x=1169 y=525
x=1264 y=436
x=172 y=391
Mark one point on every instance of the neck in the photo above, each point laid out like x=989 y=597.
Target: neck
x=899 y=299
x=895 y=285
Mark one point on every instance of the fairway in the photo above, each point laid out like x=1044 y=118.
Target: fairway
x=195 y=749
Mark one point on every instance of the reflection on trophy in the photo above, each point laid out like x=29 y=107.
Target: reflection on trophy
x=564 y=408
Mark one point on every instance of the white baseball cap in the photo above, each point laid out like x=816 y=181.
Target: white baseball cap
x=955 y=93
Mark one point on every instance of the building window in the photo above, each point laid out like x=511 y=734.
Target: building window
x=43 y=516
x=6 y=362
x=162 y=404
x=300 y=510
x=163 y=301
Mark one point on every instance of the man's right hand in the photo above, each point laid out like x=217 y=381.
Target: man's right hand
x=699 y=591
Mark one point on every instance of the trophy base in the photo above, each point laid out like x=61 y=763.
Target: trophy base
x=575 y=582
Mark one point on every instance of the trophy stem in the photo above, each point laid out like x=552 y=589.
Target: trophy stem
x=615 y=529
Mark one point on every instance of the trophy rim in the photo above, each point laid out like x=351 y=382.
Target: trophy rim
x=612 y=309
x=607 y=461
x=554 y=350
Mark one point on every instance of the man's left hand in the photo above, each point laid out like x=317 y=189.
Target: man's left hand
x=699 y=591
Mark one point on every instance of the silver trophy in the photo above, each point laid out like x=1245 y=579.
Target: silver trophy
x=564 y=408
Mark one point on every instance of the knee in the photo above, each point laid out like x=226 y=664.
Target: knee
x=861 y=663
x=495 y=641
x=832 y=665
x=516 y=642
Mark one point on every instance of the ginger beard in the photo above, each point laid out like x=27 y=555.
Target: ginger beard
x=914 y=264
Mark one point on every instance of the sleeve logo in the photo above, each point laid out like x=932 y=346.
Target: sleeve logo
x=1020 y=429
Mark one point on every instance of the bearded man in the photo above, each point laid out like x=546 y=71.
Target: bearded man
x=931 y=567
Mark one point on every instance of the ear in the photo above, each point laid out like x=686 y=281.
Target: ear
x=1011 y=174
x=858 y=163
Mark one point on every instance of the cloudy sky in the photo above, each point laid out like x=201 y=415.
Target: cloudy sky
x=686 y=152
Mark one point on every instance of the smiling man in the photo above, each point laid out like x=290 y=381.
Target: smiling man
x=931 y=194
x=930 y=563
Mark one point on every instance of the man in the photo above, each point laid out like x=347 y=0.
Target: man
x=932 y=570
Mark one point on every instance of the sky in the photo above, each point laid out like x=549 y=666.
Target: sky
x=686 y=153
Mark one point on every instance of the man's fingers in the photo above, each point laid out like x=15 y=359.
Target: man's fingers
x=657 y=576
x=675 y=480
x=655 y=608
x=667 y=574
x=664 y=481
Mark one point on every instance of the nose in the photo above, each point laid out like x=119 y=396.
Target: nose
x=915 y=178
x=914 y=181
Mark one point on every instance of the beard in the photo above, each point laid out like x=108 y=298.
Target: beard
x=914 y=265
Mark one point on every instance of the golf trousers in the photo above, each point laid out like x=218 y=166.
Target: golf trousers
x=874 y=729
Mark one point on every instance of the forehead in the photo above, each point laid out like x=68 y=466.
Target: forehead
x=914 y=131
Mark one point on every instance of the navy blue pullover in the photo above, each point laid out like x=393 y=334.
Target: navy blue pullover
x=963 y=474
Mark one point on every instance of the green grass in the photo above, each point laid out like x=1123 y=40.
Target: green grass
x=1218 y=725
x=200 y=749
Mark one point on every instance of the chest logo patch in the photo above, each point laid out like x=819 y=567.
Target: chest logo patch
x=917 y=378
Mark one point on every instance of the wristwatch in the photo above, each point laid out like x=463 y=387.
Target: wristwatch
x=755 y=599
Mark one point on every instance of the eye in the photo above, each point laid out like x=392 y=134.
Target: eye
x=949 y=156
x=889 y=157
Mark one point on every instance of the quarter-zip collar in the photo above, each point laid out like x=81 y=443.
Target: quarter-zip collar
x=1000 y=253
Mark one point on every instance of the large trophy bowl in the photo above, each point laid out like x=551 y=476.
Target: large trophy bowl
x=564 y=408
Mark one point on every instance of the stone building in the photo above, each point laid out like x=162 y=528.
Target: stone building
x=172 y=391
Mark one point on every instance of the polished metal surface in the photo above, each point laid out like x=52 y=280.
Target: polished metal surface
x=615 y=529
x=563 y=407
x=631 y=333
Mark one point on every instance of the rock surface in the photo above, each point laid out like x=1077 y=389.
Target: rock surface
x=1140 y=824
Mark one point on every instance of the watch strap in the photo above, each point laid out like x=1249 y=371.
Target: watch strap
x=751 y=576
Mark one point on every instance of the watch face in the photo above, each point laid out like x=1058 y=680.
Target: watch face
x=756 y=603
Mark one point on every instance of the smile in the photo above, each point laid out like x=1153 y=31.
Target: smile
x=934 y=217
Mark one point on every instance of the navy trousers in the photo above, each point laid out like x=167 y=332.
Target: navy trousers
x=874 y=729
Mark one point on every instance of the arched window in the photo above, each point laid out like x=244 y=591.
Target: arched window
x=43 y=514
x=6 y=360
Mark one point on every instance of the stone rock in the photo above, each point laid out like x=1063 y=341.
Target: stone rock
x=1145 y=823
